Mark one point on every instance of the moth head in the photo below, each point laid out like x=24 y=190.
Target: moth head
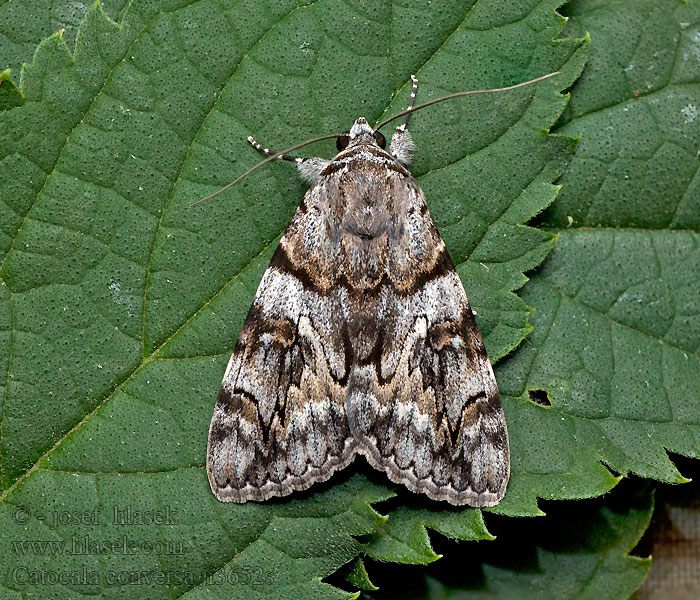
x=360 y=132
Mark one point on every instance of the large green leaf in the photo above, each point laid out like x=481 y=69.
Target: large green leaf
x=189 y=546
x=637 y=110
x=119 y=307
x=581 y=554
x=617 y=310
x=615 y=344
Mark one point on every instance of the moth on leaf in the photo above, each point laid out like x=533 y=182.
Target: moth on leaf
x=360 y=340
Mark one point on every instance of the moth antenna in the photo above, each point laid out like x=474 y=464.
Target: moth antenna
x=407 y=112
x=411 y=102
x=460 y=94
x=262 y=162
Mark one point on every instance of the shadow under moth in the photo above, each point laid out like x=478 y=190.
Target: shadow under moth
x=360 y=340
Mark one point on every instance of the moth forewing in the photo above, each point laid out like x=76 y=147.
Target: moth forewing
x=361 y=340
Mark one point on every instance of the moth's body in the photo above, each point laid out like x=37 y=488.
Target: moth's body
x=360 y=340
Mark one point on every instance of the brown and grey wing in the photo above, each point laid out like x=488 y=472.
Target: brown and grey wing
x=428 y=411
x=280 y=420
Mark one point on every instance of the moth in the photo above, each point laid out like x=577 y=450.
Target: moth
x=360 y=340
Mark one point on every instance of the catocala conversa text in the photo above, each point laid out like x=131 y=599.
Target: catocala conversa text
x=360 y=340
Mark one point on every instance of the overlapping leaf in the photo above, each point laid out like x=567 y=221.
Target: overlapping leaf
x=637 y=110
x=24 y=24
x=582 y=554
x=617 y=310
x=615 y=344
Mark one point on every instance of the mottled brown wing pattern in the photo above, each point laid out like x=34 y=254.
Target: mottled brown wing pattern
x=430 y=414
x=360 y=339
x=280 y=421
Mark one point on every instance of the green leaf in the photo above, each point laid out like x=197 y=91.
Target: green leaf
x=403 y=537
x=637 y=110
x=10 y=96
x=579 y=554
x=617 y=313
x=617 y=331
x=24 y=24
x=119 y=307
x=193 y=549
x=359 y=577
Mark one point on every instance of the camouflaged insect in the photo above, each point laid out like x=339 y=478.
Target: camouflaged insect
x=360 y=340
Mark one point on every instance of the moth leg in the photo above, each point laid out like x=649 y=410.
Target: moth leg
x=402 y=145
x=309 y=168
